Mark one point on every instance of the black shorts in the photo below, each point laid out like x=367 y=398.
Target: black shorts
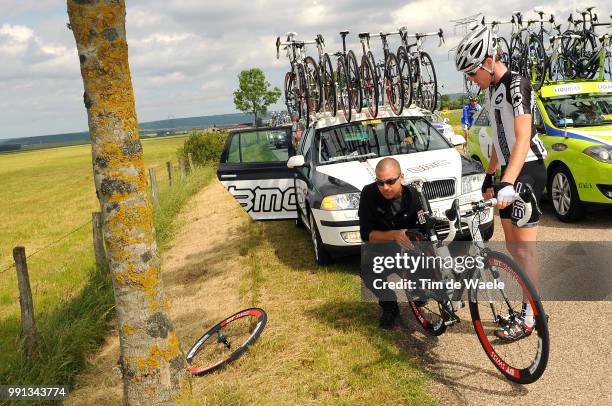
x=533 y=174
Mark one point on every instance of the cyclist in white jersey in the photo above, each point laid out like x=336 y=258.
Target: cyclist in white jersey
x=517 y=151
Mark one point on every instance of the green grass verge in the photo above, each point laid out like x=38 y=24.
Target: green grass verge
x=73 y=302
x=322 y=344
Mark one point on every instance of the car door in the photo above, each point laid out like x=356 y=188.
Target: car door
x=302 y=174
x=253 y=168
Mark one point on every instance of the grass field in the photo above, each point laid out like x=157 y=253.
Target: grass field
x=44 y=195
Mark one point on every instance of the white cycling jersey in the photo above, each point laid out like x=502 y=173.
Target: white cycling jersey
x=512 y=96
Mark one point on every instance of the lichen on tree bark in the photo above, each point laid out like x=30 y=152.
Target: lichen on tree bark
x=153 y=365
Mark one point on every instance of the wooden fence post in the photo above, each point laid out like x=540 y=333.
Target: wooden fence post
x=154 y=193
x=28 y=327
x=181 y=163
x=190 y=158
x=170 y=168
x=98 y=241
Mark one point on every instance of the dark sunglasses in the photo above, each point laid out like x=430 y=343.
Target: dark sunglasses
x=390 y=181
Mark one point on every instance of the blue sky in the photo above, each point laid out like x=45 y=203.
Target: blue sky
x=185 y=56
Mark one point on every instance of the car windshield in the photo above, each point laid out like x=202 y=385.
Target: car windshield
x=584 y=109
x=378 y=138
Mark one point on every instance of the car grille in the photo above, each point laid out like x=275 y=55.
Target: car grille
x=438 y=189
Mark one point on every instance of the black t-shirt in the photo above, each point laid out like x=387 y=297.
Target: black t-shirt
x=379 y=214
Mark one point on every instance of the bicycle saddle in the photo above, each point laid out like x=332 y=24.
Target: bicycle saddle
x=538 y=10
x=364 y=35
x=344 y=33
x=291 y=34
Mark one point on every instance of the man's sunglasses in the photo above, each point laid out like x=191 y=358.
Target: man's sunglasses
x=390 y=181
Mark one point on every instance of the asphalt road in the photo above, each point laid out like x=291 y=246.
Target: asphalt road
x=580 y=335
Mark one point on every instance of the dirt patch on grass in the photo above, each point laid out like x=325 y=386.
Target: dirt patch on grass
x=201 y=276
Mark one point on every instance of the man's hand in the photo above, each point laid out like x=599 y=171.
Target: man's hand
x=402 y=239
x=506 y=195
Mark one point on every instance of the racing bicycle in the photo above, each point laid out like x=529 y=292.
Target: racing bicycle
x=522 y=361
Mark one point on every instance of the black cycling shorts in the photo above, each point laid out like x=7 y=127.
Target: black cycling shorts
x=533 y=174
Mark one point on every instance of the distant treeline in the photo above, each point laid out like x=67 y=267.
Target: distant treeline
x=163 y=126
x=10 y=147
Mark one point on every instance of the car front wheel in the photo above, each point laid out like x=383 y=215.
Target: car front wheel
x=322 y=257
x=564 y=195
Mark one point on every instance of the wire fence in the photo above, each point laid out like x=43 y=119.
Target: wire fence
x=3 y=270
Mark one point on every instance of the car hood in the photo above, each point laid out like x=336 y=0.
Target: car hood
x=431 y=165
x=598 y=134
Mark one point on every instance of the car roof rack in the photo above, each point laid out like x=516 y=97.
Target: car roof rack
x=326 y=119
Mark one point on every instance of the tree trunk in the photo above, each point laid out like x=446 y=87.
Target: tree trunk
x=153 y=365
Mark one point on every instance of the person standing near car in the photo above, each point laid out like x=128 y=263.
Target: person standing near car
x=517 y=151
x=387 y=209
x=469 y=115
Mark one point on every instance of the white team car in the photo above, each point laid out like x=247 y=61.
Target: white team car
x=319 y=184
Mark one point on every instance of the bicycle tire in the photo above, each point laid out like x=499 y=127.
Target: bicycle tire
x=428 y=317
x=344 y=96
x=304 y=97
x=406 y=72
x=394 y=84
x=313 y=81
x=355 y=81
x=204 y=343
x=290 y=96
x=429 y=82
x=504 y=48
x=535 y=57
x=517 y=54
x=527 y=366
x=369 y=83
x=330 y=86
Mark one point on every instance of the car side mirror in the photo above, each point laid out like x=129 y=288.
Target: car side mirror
x=296 y=161
x=457 y=140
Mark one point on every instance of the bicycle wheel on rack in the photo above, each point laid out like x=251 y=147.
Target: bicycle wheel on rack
x=354 y=81
x=344 y=96
x=369 y=83
x=502 y=45
x=535 y=58
x=523 y=360
x=406 y=74
x=517 y=55
x=394 y=86
x=226 y=341
x=429 y=82
x=290 y=95
x=313 y=81
x=329 y=85
x=303 y=97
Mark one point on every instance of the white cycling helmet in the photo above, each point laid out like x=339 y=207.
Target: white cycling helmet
x=473 y=49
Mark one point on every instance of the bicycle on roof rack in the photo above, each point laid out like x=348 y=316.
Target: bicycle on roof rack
x=389 y=74
x=369 y=78
x=527 y=52
x=419 y=66
x=326 y=75
x=302 y=83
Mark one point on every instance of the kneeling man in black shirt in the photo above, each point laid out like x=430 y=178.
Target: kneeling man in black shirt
x=387 y=209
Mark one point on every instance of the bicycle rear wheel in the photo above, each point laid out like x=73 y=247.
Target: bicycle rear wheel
x=354 y=81
x=406 y=73
x=502 y=45
x=313 y=81
x=344 y=95
x=535 y=57
x=226 y=341
x=304 y=96
x=429 y=83
x=524 y=360
x=291 y=98
x=329 y=86
x=369 y=83
x=394 y=84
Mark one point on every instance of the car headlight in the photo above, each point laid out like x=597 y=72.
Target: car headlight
x=346 y=201
x=471 y=183
x=601 y=153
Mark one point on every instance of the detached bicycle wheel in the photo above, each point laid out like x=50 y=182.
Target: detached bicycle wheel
x=344 y=88
x=328 y=85
x=369 y=83
x=394 y=86
x=226 y=341
x=522 y=360
x=429 y=83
